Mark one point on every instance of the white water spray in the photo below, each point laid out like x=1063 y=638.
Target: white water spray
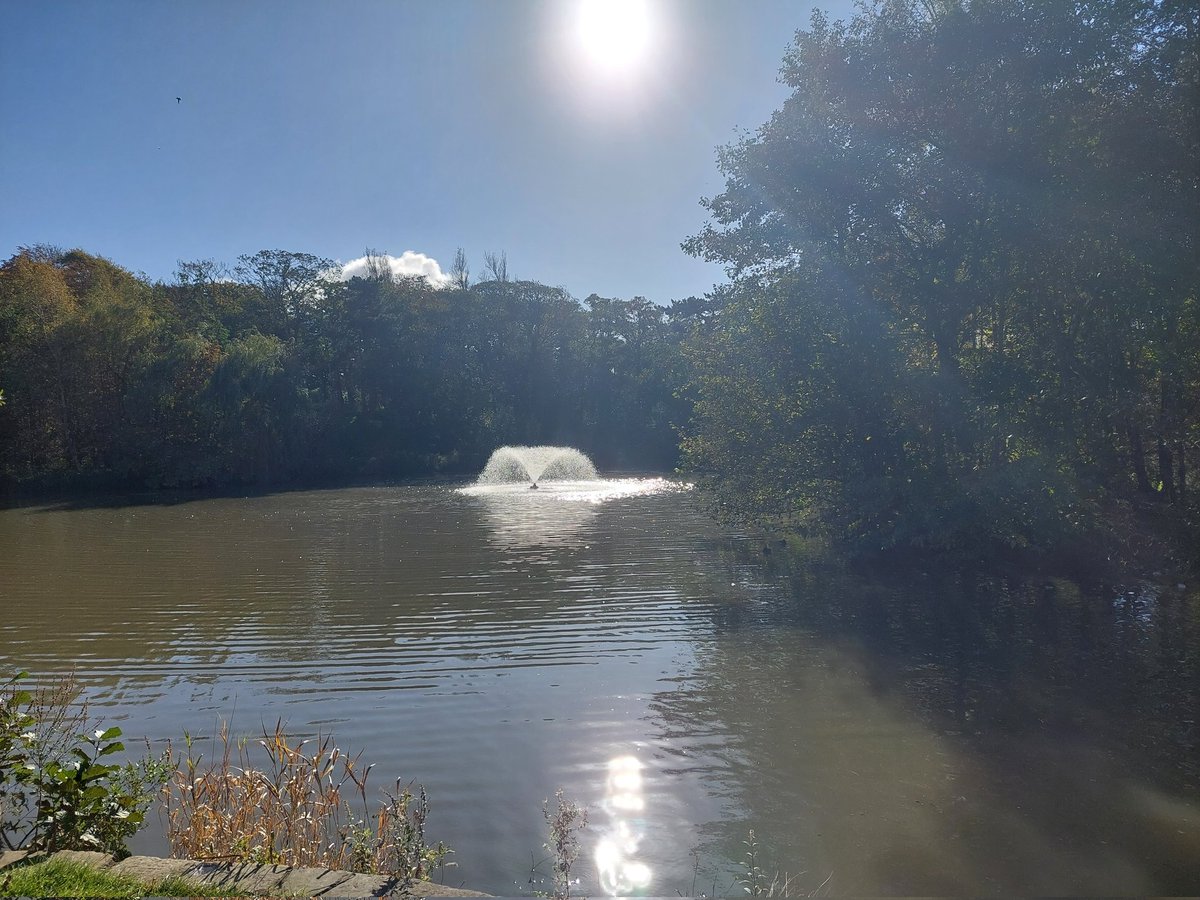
x=509 y=465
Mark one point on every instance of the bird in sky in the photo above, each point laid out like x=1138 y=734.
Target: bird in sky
x=178 y=99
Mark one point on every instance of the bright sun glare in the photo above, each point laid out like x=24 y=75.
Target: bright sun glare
x=614 y=34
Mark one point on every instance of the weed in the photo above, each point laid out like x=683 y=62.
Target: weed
x=400 y=847
x=566 y=820
x=294 y=803
x=754 y=880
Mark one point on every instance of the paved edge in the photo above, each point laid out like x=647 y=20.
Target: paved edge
x=260 y=880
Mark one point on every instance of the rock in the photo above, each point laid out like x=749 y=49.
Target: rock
x=90 y=858
x=312 y=882
x=8 y=857
x=247 y=878
x=152 y=868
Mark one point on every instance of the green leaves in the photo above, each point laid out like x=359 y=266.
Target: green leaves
x=71 y=798
x=75 y=799
x=952 y=318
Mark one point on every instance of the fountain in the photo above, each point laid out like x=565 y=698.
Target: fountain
x=509 y=465
x=561 y=512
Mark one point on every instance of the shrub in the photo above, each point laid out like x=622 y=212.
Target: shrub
x=57 y=790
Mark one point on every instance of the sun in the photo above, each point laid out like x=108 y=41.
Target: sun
x=614 y=35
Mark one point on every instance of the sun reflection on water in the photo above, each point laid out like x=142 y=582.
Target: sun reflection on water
x=619 y=870
x=600 y=490
x=558 y=513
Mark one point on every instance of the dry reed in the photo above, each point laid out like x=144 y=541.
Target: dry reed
x=291 y=803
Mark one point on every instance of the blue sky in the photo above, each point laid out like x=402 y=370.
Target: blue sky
x=331 y=127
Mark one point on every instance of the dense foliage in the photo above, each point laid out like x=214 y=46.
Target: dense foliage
x=281 y=371
x=963 y=306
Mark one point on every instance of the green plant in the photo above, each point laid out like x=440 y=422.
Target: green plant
x=16 y=738
x=400 y=847
x=566 y=820
x=77 y=803
x=57 y=789
x=360 y=846
x=754 y=880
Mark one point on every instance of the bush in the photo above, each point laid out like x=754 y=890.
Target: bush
x=57 y=791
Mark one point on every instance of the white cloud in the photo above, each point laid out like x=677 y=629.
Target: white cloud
x=408 y=263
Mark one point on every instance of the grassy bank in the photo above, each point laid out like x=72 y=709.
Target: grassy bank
x=59 y=878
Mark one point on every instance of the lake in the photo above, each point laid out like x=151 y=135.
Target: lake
x=917 y=734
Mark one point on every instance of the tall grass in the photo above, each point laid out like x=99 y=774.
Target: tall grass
x=296 y=803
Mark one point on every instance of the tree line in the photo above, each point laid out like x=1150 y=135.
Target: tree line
x=963 y=310
x=279 y=371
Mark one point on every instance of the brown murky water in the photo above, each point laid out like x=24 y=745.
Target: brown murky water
x=943 y=735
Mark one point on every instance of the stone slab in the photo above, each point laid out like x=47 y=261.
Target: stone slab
x=247 y=878
x=315 y=882
x=206 y=872
x=93 y=859
x=152 y=869
x=8 y=857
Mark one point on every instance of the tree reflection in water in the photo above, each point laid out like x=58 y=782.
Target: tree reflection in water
x=951 y=732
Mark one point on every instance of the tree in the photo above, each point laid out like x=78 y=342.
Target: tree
x=37 y=310
x=460 y=272
x=285 y=372
x=495 y=267
x=292 y=286
x=991 y=207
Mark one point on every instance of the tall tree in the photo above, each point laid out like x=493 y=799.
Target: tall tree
x=999 y=201
x=292 y=285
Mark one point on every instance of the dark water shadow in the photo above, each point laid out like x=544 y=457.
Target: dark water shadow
x=1068 y=713
x=48 y=500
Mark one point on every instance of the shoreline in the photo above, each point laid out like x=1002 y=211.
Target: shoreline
x=246 y=878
